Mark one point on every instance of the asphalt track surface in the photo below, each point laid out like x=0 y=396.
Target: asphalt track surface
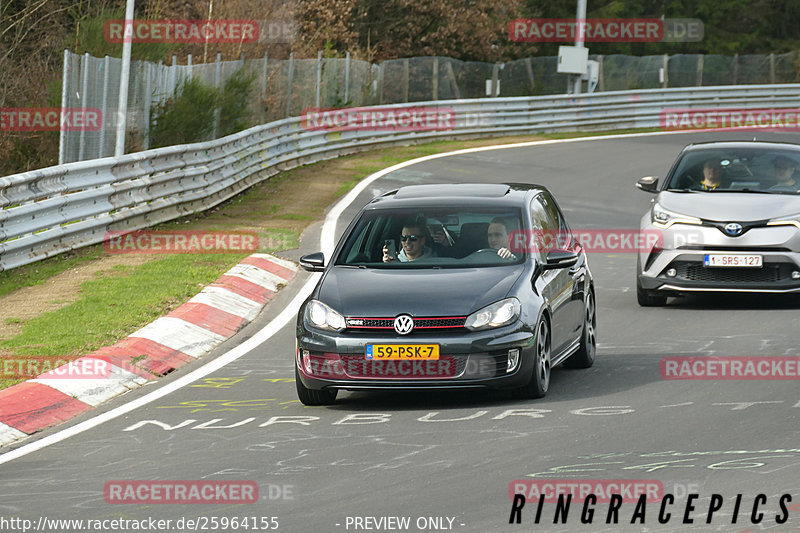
x=445 y=461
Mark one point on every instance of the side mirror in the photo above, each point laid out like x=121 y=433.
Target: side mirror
x=648 y=184
x=313 y=262
x=560 y=259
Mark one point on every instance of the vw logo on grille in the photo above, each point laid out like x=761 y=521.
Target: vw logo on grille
x=403 y=324
x=733 y=229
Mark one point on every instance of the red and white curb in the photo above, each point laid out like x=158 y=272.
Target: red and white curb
x=190 y=331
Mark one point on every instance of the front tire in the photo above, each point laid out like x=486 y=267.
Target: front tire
x=647 y=298
x=584 y=357
x=313 y=397
x=540 y=377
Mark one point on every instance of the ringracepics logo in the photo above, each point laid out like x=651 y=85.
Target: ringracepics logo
x=704 y=119
x=636 y=501
x=182 y=31
x=181 y=492
x=50 y=119
x=179 y=242
x=730 y=368
x=423 y=118
x=605 y=30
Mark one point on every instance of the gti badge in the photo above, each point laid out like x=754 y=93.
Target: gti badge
x=733 y=229
x=403 y=324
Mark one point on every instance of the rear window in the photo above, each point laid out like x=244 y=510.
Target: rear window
x=434 y=237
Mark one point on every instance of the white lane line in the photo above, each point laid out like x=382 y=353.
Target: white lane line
x=290 y=311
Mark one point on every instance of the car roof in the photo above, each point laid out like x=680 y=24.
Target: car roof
x=499 y=194
x=734 y=145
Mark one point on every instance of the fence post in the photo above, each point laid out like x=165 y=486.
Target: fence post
x=529 y=68
x=700 y=58
x=453 y=82
x=381 y=71
x=264 y=90
x=601 y=78
x=289 y=88
x=62 y=135
x=735 y=69
x=189 y=67
x=347 y=80
x=319 y=78
x=84 y=89
x=435 y=78
x=217 y=79
x=104 y=108
x=495 y=80
x=173 y=74
x=405 y=80
x=665 y=66
x=772 y=68
x=148 y=100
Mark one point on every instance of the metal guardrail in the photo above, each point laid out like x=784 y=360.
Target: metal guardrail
x=49 y=211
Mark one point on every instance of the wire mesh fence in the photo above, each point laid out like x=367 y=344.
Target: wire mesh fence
x=286 y=87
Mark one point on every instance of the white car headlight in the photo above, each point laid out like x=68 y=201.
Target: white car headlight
x=319 y=315
x=664 y=218
x=793 y=220
x=495 y=315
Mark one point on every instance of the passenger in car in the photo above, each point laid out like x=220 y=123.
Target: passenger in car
x=413 y=241
x=497 y=235
x=784 y=174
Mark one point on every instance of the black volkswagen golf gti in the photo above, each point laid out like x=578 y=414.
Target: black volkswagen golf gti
x=448 y=286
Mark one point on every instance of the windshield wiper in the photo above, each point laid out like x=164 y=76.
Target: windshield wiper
x=682 y=190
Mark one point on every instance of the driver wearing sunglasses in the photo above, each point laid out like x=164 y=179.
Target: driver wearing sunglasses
x=413 y=241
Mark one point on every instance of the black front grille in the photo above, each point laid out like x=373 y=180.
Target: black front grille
x=769 y=273
x=445 y=323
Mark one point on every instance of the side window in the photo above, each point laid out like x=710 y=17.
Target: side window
x=542 y=230
x=564 y=237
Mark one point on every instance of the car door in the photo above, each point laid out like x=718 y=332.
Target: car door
x=566 y=241
x=556 y=285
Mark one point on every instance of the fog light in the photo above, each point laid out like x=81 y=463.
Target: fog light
x=672 y=273
x=307 y=361
x=513 y=359
x=795 y=274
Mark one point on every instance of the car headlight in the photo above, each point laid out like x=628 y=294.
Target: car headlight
x=793 y=220
x=319 y=315
x=495 y=315
x=664 y=218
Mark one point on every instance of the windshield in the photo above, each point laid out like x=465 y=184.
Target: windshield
x=432 y=237
x=756 y=170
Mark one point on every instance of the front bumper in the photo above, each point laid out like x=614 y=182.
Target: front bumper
x=467 y=360
x=685 y=247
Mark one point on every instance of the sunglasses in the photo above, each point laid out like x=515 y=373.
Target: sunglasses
x=412 y=238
